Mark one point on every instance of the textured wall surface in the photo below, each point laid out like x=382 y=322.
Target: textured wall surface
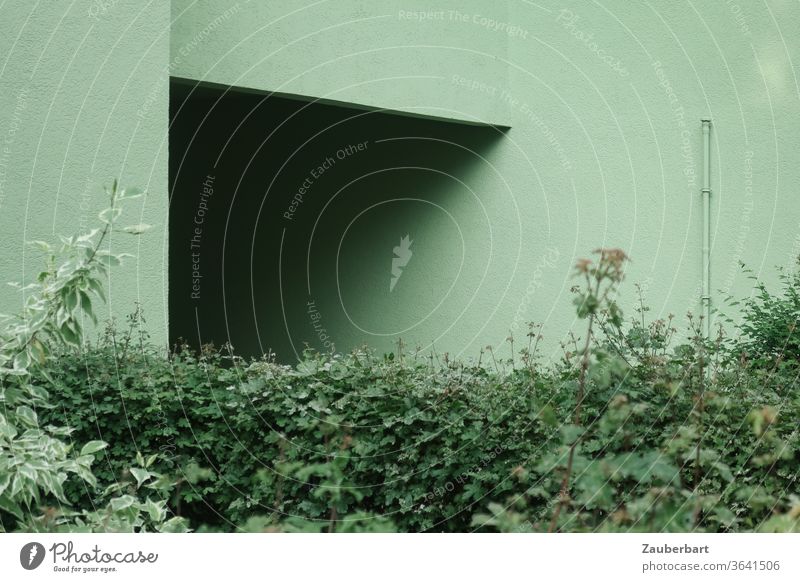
x=623 y=86
x=603 y=99
x=394 y=55
x=84 y=99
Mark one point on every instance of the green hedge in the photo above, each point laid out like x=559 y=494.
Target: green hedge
x=424 y=446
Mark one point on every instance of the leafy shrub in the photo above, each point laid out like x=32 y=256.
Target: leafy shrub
x=356 y=433
x=668 y=439
x=35 y=459
x=128 y=507
x=627 y=433
x=771 y=322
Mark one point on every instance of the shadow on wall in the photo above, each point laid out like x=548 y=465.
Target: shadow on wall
x=288 y=222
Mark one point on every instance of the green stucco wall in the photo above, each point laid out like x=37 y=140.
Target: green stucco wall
x=84 y=99
x=370 y=53
x=631 y=133
x=603 y=101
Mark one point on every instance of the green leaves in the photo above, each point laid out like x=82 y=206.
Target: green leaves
x=433 y=449
x=34 y=463
x=27 y=416
x=156 y=511
x=586 y=304
x=307 y=368
x=570 y=433
x=123 y=502
x=109 y=215
x=141 y=475
x=93 y=447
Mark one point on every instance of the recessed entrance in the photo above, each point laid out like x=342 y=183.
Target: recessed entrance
x=297 y=223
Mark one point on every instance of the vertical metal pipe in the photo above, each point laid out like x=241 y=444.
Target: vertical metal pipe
x=706 y=193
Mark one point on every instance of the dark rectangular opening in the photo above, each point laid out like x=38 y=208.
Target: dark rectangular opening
x=284 y=215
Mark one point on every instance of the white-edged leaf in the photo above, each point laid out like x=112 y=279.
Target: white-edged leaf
x=27 y=416
x=109 y=215
x=88 y=236
x=130 y=194
x=141 y=475
x=108 y=259
x=41 y=245
x=155 y=510
x=92 y=447
x=120 y=503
